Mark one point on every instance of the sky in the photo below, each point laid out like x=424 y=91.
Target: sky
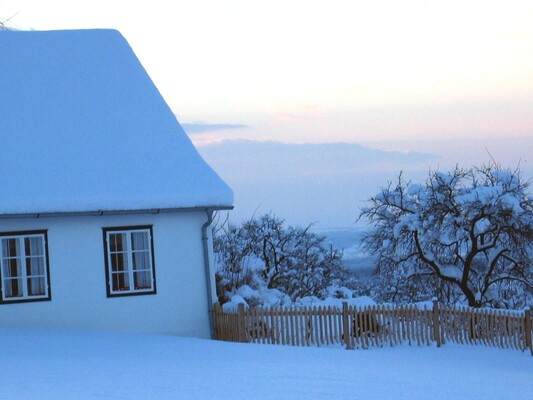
x=452 y=80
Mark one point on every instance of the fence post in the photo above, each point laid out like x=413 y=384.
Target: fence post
x=216 y=315
x=436 y=322
x=528 y=325
x=346 y=326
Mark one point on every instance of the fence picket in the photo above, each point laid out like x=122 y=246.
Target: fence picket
x=484 y=328
x=353 y=327
x=329 y=325
x=323 y=326
x=266 y=331
x=362 y=327
x=263 y=336
x=502 y=329
x=408 y=324
x=365 y=329
x=305 y=327
x=418 y=326
x=397 y=327
x=251 y=325
x=314 y=316
x=381 y=325
x=374 y=325
x=426 y=325
x=396 y=324
x=390 y=324
x=462 y=326
x=405 y=321
x=255 y=324
x=506 y=328
x=528 y=328
x=443 y=321
x=309 y=327
x=274 y=325
x=367 y=320
x=317 y=322
x=493 y=329
x=340 y=329
x=512 y=331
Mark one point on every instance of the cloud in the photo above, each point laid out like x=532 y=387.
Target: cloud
x=288 y=160
x=196 y=128
x=323 y=183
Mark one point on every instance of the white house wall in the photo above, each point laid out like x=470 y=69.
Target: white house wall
x=78 y=277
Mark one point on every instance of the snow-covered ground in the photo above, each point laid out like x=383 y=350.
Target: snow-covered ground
x=55 y=364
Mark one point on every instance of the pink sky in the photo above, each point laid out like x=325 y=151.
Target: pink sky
x=318 y=71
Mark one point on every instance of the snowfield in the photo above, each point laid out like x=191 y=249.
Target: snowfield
x=69 y=364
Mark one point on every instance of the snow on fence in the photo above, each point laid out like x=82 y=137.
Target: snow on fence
x=362 y=327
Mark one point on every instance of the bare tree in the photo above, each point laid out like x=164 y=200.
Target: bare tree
x=463 y=235
x=3 y=22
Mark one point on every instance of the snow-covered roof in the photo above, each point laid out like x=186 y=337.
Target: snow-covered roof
x=83 y=128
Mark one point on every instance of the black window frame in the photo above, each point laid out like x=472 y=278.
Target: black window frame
x=131 y=292
x=28 y=299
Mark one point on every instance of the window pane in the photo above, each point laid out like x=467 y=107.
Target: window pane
x=141 y=260
x=36 y=287
x=34 y=266
x=139 y=241
x=119 y=262
x=117 y=242
x=34 y=246
x=10 y=247
x=5 y=248
x=120 y=281
x=13 y=287
x=11 y=268
x=142 y=280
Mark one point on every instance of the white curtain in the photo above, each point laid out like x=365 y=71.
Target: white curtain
x=35 y=273
x=142 y=270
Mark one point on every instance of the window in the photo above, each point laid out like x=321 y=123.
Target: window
x=129 y=260
x=25 y=275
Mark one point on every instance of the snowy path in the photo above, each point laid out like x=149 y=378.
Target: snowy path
x=51 y=364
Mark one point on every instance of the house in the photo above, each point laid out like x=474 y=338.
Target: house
x=105 y=204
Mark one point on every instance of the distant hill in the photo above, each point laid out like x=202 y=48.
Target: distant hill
x=354 y=258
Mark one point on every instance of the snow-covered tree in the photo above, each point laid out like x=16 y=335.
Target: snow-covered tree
x=464 y=235
x=262 y=252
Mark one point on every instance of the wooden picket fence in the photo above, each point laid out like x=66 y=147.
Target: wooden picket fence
x=362 y=327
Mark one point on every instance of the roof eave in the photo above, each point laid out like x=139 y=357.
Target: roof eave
x=115 y=212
